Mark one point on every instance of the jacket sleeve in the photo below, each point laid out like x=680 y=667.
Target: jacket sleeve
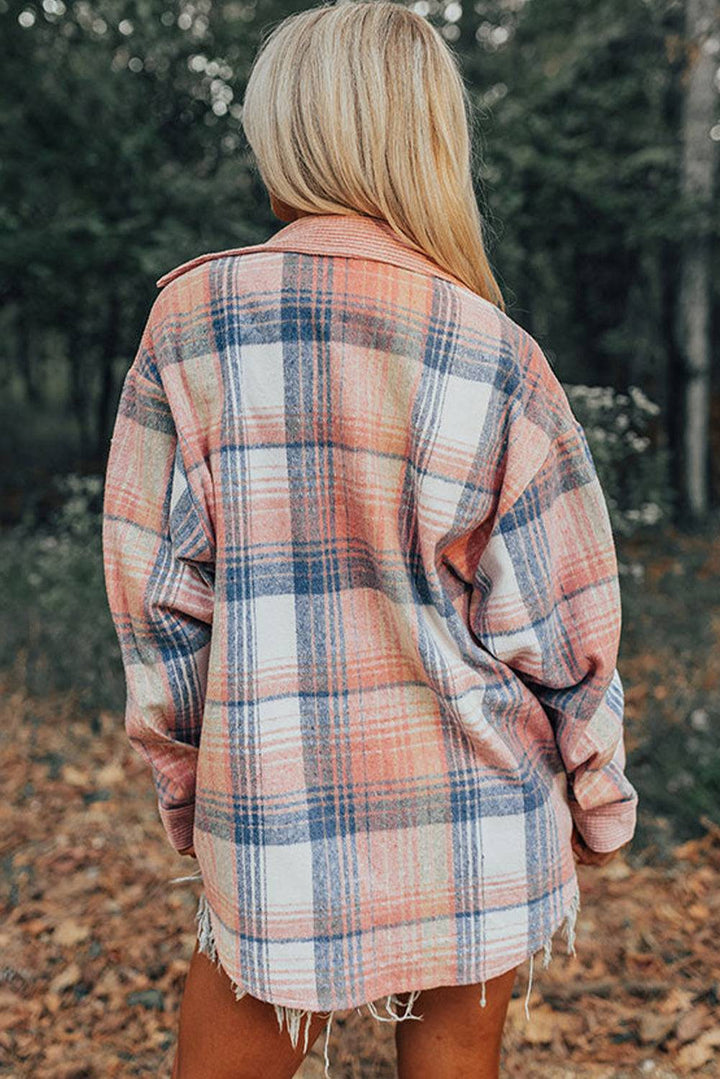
x=546 y=602
x=159 y=578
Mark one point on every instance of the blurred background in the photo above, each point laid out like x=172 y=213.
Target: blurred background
x=597 y=134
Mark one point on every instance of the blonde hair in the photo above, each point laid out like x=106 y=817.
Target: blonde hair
x=359 y=107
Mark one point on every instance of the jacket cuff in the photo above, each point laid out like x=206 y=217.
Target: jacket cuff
x=607 y=827
x=178 y=822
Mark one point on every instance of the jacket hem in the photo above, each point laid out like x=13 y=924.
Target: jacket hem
x=292 y=1017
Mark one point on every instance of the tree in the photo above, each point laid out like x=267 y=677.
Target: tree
x=699 y=155
x=581 y=109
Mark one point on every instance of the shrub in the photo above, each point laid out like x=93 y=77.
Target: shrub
x=634 y=473
x=56 y=625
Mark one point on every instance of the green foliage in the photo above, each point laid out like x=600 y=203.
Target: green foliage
x=578 y=112
x=122 y=154
x=677 y=771
x=633 y=473
x=669 y=640
x=55 y=624
x=36 y=441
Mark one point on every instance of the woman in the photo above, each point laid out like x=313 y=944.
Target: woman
x=364 y=583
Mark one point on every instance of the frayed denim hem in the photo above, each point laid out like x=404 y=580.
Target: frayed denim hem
x=292 y=1017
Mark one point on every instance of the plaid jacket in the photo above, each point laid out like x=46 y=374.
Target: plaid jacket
x=365 y=589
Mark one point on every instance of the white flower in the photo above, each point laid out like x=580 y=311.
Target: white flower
x=642 y=401
x=699 y=720
x=578 y=390
x=650 y=513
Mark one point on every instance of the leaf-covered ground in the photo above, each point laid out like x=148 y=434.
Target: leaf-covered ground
x=95 y=941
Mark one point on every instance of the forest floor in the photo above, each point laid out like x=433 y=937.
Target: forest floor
x=95 y=942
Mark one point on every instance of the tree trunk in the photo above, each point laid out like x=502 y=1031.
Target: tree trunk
x=27 y=358
x=673 y=387
x=694 y=292
x=79 y=388
x=106 y=396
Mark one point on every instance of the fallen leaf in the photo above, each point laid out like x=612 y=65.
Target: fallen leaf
x=70 y=932
x=68 y=976
x=653 y=1028
x=691 y=1025
x=694 y=1055
x=109 y=775
x=74 y=776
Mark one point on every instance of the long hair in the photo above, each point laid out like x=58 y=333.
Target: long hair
x=360 y=107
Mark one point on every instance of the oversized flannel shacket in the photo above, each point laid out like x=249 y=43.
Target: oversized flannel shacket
x=365 y=587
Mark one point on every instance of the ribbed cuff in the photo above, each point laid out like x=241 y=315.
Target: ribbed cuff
x=608 y=827
x=178 y=823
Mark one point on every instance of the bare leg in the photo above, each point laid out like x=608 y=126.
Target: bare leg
x=220 y=1037
x=457 y=1038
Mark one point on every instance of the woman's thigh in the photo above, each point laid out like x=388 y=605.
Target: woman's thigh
x=457 y=1038
x=220 y=1037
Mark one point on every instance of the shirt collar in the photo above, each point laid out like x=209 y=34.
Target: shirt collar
x=350 y=235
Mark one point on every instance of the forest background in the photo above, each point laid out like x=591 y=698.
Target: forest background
x=596 y=142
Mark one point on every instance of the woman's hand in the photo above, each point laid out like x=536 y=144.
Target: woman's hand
x=189 y=851
x=585 y=856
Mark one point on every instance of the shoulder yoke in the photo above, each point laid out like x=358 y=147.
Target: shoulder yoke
x=184 y=267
